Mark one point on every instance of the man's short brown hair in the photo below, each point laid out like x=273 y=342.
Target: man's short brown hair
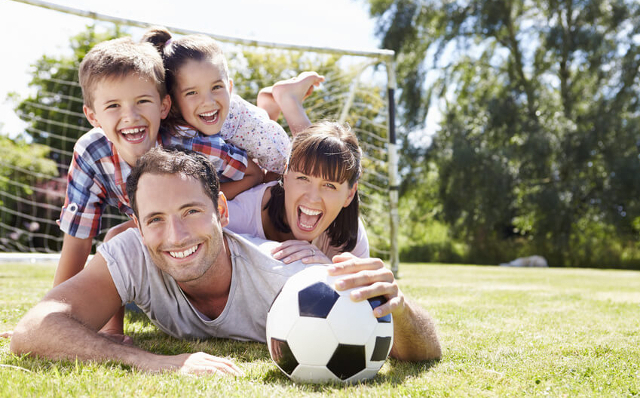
x=170 y=160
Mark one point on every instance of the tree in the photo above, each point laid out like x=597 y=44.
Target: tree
x=55 y=113
x=23 y=168
x=538 y=142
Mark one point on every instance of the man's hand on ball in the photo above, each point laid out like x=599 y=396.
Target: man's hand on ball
x=369 y=278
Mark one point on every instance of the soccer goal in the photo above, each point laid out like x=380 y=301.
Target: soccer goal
x=359 y=90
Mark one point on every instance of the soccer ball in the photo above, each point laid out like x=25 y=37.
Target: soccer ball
x=318 y=334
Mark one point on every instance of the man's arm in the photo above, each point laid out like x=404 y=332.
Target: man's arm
x=414 y=332
x=65 y=324
x=414 y=335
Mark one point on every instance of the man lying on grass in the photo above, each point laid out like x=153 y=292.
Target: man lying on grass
x=193 y=280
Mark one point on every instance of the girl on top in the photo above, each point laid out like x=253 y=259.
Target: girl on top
x=201 y=89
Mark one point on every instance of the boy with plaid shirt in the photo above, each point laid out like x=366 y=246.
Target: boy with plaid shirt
x=125 y=100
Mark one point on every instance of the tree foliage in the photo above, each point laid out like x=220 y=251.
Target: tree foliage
x=23 y=169
x=539 y=137
x=54 y=113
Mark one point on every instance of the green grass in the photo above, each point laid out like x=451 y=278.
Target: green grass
x=504 y=331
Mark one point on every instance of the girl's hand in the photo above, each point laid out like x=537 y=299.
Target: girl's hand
x=293 y=250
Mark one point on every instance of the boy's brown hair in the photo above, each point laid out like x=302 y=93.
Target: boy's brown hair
x=118 y=58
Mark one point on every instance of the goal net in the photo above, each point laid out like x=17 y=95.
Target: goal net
x=35 y=161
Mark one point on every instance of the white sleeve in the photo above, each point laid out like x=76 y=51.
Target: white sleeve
x=362 y=245
x=126 y=259
x=245 y=216
x=249 y=127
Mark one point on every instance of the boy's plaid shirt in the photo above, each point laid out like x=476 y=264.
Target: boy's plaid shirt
x=97 y=177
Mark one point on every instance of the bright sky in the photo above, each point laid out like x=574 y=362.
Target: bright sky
x=28 y=31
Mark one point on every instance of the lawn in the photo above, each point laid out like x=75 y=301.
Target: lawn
x=504 y=332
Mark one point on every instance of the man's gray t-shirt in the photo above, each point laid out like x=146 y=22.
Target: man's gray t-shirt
x=256 y=279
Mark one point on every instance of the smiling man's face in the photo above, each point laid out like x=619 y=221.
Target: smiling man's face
x=180 y=225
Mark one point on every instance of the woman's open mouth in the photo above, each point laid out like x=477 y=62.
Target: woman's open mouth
x=308 y=218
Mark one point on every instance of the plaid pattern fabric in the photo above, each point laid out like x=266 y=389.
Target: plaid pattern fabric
x=97 y=177
x=230 y=161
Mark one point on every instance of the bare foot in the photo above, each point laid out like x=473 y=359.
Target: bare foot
x=296 y=89
x=7 y=334
x=289 y=95
x=299 y=87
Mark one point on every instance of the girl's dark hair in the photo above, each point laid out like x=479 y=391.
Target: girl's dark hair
x=175 y=52
x=328 y=150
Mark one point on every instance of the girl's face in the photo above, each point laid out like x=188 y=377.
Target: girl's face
x=312 y=203
x=203 y=94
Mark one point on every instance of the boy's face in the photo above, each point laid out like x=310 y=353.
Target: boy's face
x=129 y=110
x=203 y=93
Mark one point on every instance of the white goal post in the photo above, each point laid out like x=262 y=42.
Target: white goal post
x=361 y=93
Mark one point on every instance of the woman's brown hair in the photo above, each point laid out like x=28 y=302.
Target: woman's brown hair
x=328 y=150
